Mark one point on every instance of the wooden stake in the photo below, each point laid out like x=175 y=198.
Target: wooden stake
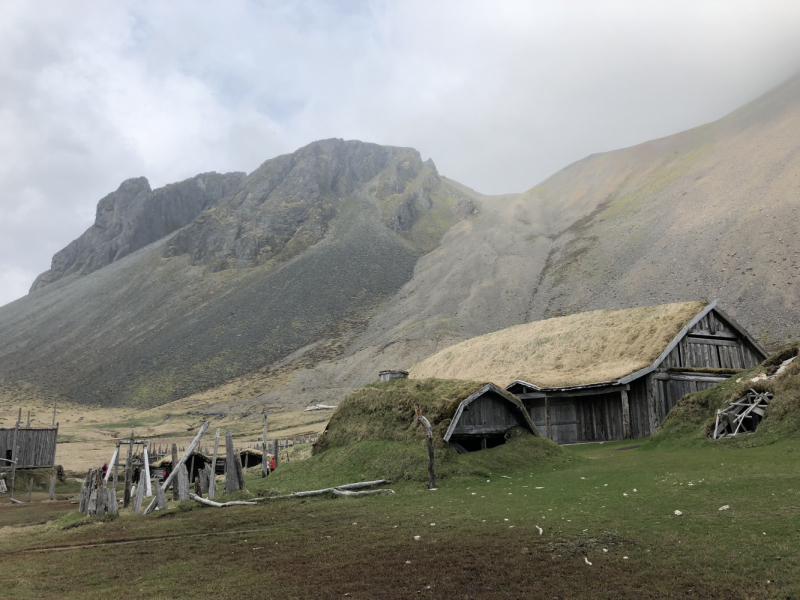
x=429 y=440
x=30 y=489
x=51 y=495
x=174 y=466
x=265 y=453
x=55 y=401
x=111 y=466
x=28 y=424
x=212 y=483
x=626 y=415
x=231 y=476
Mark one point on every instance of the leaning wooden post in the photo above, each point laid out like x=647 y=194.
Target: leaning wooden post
x=146 y=460
x=30 y=489
x=174 y=466
x=171 y=476
x=264 y=453
x=116 y=464
x=212 y=482
x=14 y=456
x=111 y=465
x=429 y=440
x=51 y=495
x=55 y=401
x=275 y=452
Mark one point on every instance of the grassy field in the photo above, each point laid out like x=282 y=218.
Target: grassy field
x=609 y=504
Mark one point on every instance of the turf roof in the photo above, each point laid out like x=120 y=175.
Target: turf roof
x=589 y=347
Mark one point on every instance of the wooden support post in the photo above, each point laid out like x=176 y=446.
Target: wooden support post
x=51 y=494
x=28 y=424
x=231 y=476
x=239 y=471
x=55 y=445
x=30 y=489
x=140 y=487
x=212 y=483
x=191 y=469
x=183 y=483
x=626 y=415
x=160 y=499
x=126 y=494
x=112 y=507
x=652 y=411
x=275 y=453
x=54 y=412
x=14 y=455
x=264 y=452
x=174 y=466
x=548 y=428
x=169 y=479
x=429 y=441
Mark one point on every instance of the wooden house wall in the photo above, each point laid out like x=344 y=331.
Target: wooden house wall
x=713 y=343
x=37 y=447
x=596 y=418
x=639 y=415
x=489 y=414
x=666 y=393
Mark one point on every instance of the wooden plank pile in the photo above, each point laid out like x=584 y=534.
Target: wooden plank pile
x=742 y=416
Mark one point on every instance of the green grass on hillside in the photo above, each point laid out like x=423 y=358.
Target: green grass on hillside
x=693 y=417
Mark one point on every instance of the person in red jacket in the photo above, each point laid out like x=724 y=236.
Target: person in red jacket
x=105 y=470
x=272 y=464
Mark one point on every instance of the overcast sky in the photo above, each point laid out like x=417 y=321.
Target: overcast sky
x=499 y=94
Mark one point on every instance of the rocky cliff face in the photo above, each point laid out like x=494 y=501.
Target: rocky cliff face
x=135 y=216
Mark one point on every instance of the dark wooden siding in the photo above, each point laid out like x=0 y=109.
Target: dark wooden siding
x=36 y=446
x=486 y=415
x=637 y=400
x=594 y=418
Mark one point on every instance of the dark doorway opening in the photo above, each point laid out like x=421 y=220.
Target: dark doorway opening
x=473 y=444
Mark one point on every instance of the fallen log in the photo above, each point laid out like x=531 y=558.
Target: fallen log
x=332 y=490
x=207 y=502
x=337 y=492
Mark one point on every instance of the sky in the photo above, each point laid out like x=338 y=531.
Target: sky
x=499 y=94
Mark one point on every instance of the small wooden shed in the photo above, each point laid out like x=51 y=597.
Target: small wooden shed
x=37 y=446
x=482 y=420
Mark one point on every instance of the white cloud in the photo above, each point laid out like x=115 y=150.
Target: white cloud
x=499 y=95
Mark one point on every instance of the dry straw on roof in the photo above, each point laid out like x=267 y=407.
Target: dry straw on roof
x=590 y=347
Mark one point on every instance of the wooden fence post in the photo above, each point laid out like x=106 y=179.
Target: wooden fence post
x=212 y=482
x=14 y=455
x=52 y=492
x=126 y=494
x=30 y=487
x=265 y=453
x=429 y=440
x=116 y=464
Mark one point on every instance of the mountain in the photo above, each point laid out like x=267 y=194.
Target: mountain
x=303 y=248
x=324 y=266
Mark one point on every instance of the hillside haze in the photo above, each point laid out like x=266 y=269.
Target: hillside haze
x=324 y=266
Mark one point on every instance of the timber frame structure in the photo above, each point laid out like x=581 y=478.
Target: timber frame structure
x=482 y=419
x=36 y=446
x=709 y=349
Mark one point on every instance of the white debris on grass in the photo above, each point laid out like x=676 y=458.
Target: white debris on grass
x=605 y=549
x=726 y=507
x=678 y=513
x=417 y=537
x=541 y=531
x=587 y=561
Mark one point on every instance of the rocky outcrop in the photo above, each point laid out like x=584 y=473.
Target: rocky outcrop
x=135 y=216
x=288 y=203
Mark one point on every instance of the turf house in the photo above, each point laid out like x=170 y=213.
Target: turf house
x=604 y=375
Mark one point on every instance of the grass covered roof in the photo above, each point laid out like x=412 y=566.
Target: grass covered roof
x=589 y=347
